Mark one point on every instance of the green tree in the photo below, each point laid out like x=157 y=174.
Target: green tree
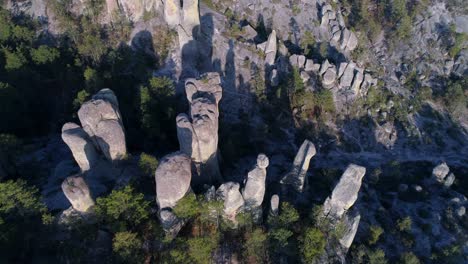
x=404 y=224
x=81 y=97
x=255 y=245
x=128 y=247
x=123 y=209
x=455 y=97
x=200 y=249
x=44 y=54
x=187 y=207
x=14 y=59
x=376 y=256
x=312 y=244
x=374 y=234
x=409 y=258
x=147 y=164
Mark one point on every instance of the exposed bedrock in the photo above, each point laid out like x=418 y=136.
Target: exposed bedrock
x=198 y=133
x=345 y=192
x=296 y=176
x=254 y=190
x=100 y=118
x=81 y=146
x=77 y=192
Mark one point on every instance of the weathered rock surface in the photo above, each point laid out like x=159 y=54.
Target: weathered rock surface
x=254 y=190
x=274 y=205
x=77 y=192
x=351 y=222
x=386 y=134
x=440 y=172
x=80 y=145
x=296 y=177
x=101 y=119
x=233 y=202
x=270 y=49
x=345 y=192
x=198 y=134
x=172 y=13
x=173 y=177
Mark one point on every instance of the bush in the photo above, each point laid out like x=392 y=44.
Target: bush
x=128 y=247
x=44 y=54
x=147 y=164
x=81 y=97
x=187 y=207
x=404 y=224
x=14 y=59
x=201 y=249
x=312 y=244
x=122 y=209
x=409 y=258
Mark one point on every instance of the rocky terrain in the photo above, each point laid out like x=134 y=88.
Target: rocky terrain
x=277 y=131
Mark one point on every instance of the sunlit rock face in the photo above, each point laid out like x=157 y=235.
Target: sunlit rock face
x=254 y=190
x=80 y=145
x=296 y=177
x=77 y=192
x=345 y=192
x=100 y=118
x=198 y=132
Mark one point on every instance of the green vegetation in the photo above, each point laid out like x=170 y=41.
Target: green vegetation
x=374 y=234
x=404 y=224
x=455 y=97
x=128 y=247
x=147 y=164
x=409 y=258
x=313 y=244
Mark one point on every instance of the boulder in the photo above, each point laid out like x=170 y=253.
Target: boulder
x=233 y=202
x=345 y=192
x=77 y=192
x=274 y=78
x=342 y=68
x=304 y=76
x=297 y=174
x=173 y=177
x=270 y=49
x=274 y=205
x=100 y=118
x=329 y=77
x=254 y=190
x=309 y=65
x=324 y=67
x=357 y=81
x=198 y=133
x=449 y=180
x=80 y=145
x=440 y=172
x=345 y=34
x=348 y=75
x=386 y=134
x=249 y=32
x=352 y=42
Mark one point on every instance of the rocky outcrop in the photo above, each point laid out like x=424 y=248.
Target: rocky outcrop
x=80 y=145
x=254 y=190
x=333 y=25
x=173 y=177
x=345 y=192
x=77 y=192
x=386 y=134
x=198 y=133
x=183 y=16
x=441 y=174
x=233 y=202
x=100 y=118
x=296 y=177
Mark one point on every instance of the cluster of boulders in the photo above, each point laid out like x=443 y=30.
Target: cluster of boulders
x=333 y=26
x=441 y=174
x=100 y=139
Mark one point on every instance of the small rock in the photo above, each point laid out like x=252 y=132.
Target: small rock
x=440 y=172
x=274 y=205
x=461 y=211
x=449 y=180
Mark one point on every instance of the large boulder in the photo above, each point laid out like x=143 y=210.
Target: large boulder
x=100 y=118
x=172 y=177
x=296 y=176
x=80 y=145
x=233 y=202
x=254 y=190
x=345 y=192
x=77 y=192
x=198 y=133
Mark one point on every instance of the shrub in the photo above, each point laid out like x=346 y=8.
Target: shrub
x=409 y=258
x=81 y=97
x=374 y=234
x=44 y=54
x=200 y=249
x=187 y=207
x=147 y=164
x=14 y=59
x=128 y=247
x=312 y=244
x=404 y=224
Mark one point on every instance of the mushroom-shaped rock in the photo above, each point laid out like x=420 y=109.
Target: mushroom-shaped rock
x=274 y=205
x=173 y=177
x=233 y=202
x=100 y=118
x=198 y=134
x=80 y=145
x=255 y=185
x=77 y=192
x=440 y=172
x=345 y=193
x=270 y=49
x=296 y=177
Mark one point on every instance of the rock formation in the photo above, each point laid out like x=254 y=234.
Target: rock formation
x=296 y=177
x=441 y=173
x=254 y=190
x=100 y=118
x=198 y=134
x=185 y=18
x=77 y=192
x=270 y=49
x=345 y=192
x=233 y=202
x=274 y=205
x=334 y=26
x=80 y=145
x=172 y=177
